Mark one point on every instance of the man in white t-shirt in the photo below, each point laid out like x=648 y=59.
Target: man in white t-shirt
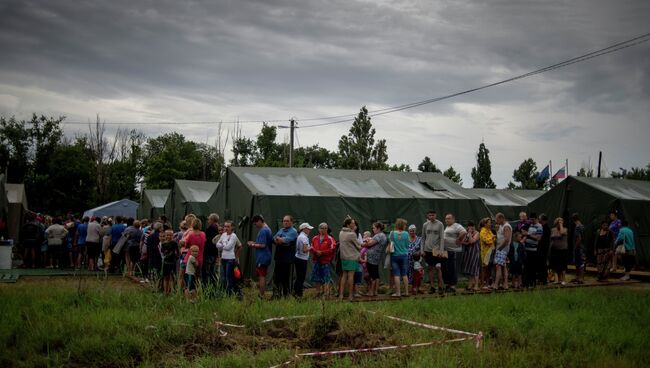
x=454 y=234
x=302 y=257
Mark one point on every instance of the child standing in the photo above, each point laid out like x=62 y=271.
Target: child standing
x=190 y=272
x=516 y=256
x=170 y=257
x=418 y=273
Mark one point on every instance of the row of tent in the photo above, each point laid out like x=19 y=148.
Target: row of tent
x=320 y=195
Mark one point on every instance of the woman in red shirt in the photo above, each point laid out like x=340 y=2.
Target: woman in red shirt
x=196 y=237
x=322 y=253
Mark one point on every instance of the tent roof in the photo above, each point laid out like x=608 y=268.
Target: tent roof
x=123 y=207
x=157 y=197
x=348 y=183
x=196 y=191
x=507 y=197
x=16 y=193
x=619 y=188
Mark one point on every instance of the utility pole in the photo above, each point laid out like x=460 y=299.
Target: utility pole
x=600 y=161
x=292 y=129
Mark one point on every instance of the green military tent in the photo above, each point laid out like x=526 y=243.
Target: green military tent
x=17 y=207
x=152 y=203
x=593 y=198
x=509 y=202
x=190 y=196
x=322 y=195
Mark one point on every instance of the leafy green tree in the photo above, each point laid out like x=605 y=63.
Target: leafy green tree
x=634 y=173
x=213 y=164
x=584 y=172
x=482 y=173
x=27 y=147
x=358 y=149
x=526 y=176
x=269 y=153
x=401 y=167
x=14 y=149
x=170 y=157
x=315 y=157
x=71 y=180
x=428 y=166
x=453 y=175
x=244 y=152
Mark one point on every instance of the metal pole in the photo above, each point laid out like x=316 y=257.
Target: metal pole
x=600 y=161
x=293 y=127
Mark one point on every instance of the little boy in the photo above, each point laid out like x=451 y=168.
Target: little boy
x=190 y=271
x=170 y=257
x=418 y=273
x=516 y=256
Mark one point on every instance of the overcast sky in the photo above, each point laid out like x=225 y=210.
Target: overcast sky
x=144 y=62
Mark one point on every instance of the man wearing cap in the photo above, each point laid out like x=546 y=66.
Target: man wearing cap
x=285 y=248
x=302 y=257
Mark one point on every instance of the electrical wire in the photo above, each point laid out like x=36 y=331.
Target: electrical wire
x=347 y=117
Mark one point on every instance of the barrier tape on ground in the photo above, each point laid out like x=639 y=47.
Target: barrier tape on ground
x=431 y=327
x=477 y=337
x=286 y=318
x=368 y=350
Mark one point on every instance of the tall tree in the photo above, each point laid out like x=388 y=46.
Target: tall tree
x=27 y=147
x=453 y=175
x=634 y=173
x=526 y=176
x=428 y=166
x=315 y=157
x=170 y=157
x=358 y=149
x=482 y=173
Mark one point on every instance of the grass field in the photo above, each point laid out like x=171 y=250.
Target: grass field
x=92 y=322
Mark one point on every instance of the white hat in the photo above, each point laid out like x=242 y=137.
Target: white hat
x=305 y=225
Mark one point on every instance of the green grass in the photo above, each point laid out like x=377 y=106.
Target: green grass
x=114 y=323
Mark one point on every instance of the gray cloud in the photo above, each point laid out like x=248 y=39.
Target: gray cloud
x=207 y=61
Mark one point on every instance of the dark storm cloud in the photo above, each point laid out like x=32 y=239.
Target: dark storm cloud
x=362 y=51
x=203 y=60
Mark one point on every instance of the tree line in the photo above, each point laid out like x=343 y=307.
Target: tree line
x=74 y=174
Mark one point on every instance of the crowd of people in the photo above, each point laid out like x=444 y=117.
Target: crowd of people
x=492 y=255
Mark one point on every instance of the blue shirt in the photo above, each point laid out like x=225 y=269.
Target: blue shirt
x=627 y=236
x=284 y=253
x=533 y=229
x=82 y=230
x=116 y=232
x=263 y=255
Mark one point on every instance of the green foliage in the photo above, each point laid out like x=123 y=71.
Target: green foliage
x=453 y=175
x=400 y=167
x=170 y=157
x=358 y=149
x=526 y=176
x=70 y=179
x=27 y=147
x=634 y=173
x=482 y=173
x=584 y=172
x=428 y=166
x=315 y=157
x=244 y=152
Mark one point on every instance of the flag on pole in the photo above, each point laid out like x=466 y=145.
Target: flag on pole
x=560 y=174
x=544 y=174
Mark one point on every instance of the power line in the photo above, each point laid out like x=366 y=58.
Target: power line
x=346 y=118
x=607 y=50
